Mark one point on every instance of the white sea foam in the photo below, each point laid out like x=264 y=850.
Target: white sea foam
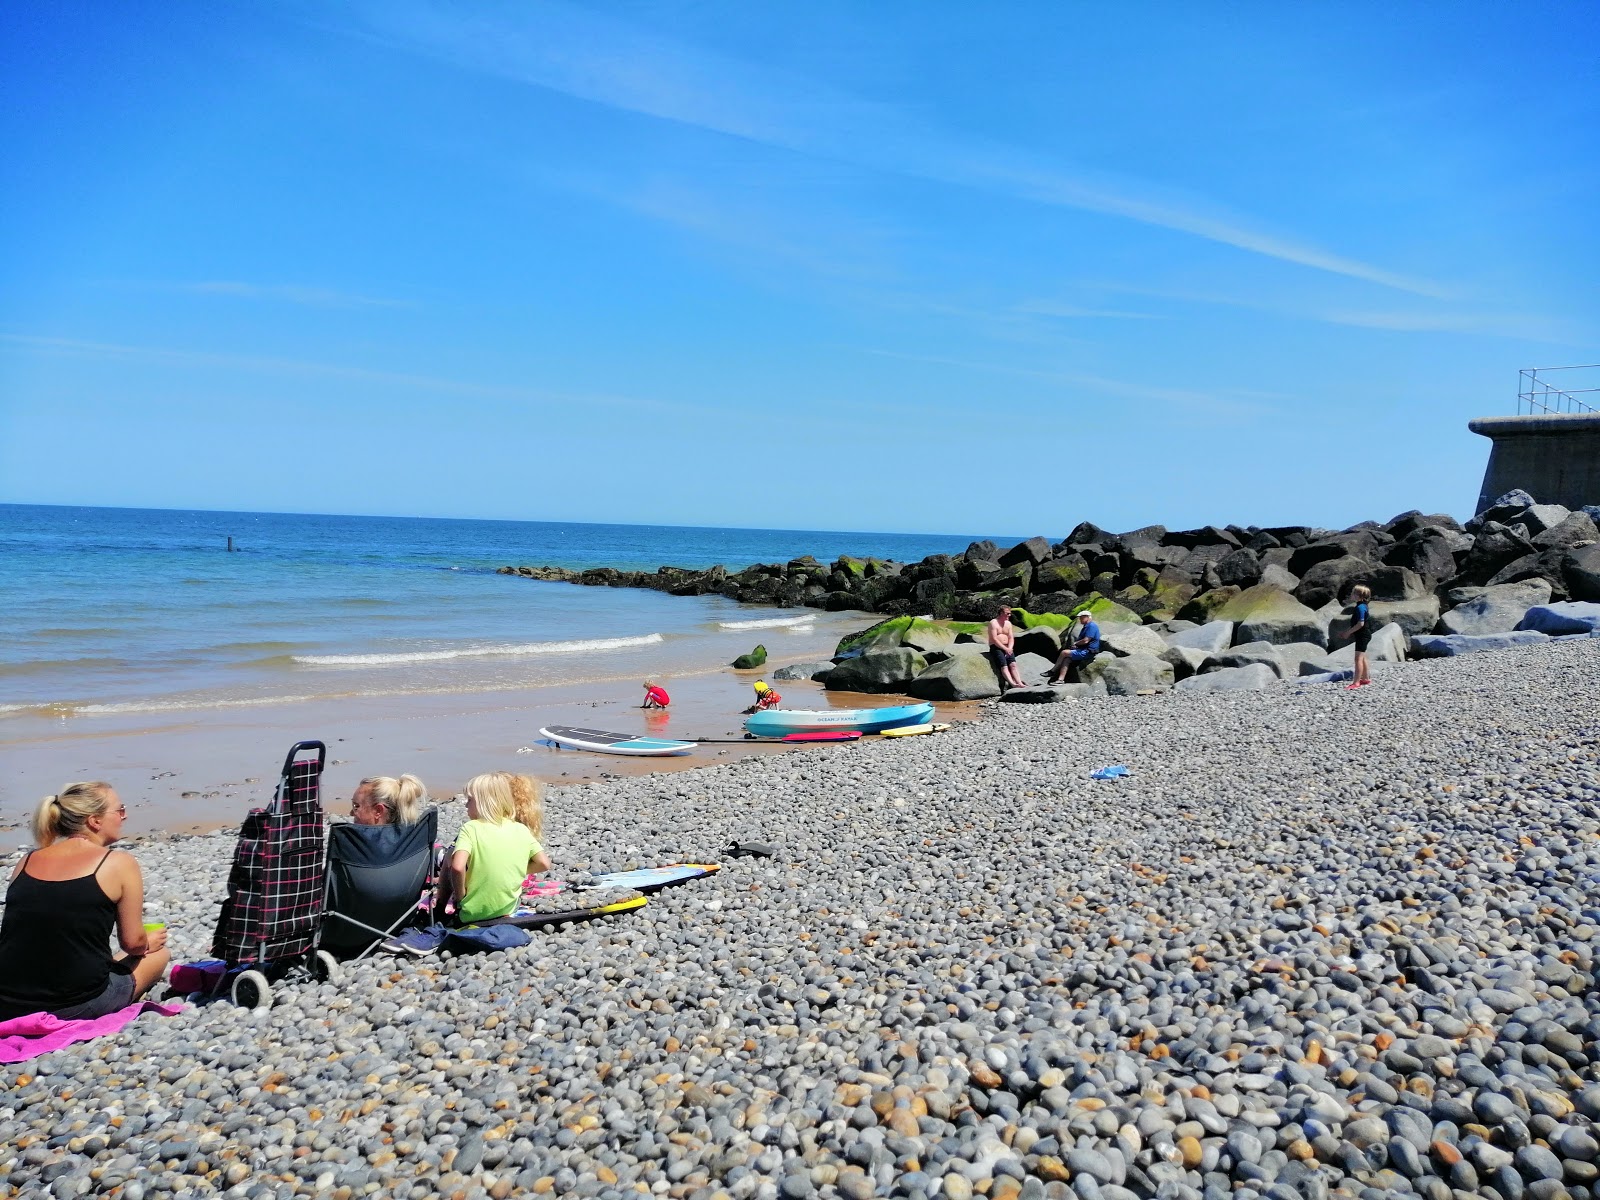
x=768 y=622
x=508 y=651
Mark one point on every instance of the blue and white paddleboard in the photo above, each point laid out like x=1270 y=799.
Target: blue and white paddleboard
x=602 y=742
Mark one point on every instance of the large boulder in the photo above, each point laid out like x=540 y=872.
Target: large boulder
x=1061 y=575
x=1279 y=576
x=1575 y=616
x=1013 y=575
x=1429 y=553
x=805 y=670
x=1581 y=569
x=1130 y=675
x=1537 y=518
x=1545 y=565
x=1241 y=567
x=1043 y=640
x=1495 y=609
x=1364 y=544
x=1123 y=640
x=1184 y=661
x=1034 y=666
x=1209 y=536
x=1211 y=637
x=1494 y=547
x=1244 y=655
x=1105 y=611
x=1388 y=645
x=1203 y=608
x=960 y=677
x=1034 y=550
x=881 y=671
x=1448 y=645
x=1047 y=693
x=1413 y=616
x=928 y=635
x=1264 y=614
x=1507 y=508
x=1578 y=528
x=1396 y=583
x=971 y=572
x=1330 y=579
x=1301 y=658
x=1408 y=523
x=1236 y=679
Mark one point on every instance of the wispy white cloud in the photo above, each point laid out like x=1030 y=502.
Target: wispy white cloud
x=1218 y=401
x=1530 y=327
x=593 y=57
x=284 y=293
x=263 y=364
x=1046 y=308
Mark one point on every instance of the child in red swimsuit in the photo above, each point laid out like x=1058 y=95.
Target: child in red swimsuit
x=655 y=696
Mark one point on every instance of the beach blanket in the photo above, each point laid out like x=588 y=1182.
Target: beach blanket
x=22 y=1038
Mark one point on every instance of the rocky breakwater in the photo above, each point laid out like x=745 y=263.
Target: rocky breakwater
x=1418 y=565
x=1232 y=609
x=1316 y=944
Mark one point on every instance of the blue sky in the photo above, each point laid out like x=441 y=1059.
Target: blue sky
x=868 y=265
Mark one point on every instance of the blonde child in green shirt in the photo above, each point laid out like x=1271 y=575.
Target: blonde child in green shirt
x=494 y=852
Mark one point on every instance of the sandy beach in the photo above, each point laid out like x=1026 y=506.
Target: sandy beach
x=198 y=771
x=1316 y=943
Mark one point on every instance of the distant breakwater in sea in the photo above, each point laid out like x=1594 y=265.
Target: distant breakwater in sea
x=1419 y=566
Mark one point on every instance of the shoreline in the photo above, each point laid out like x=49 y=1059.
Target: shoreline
x=202 y=770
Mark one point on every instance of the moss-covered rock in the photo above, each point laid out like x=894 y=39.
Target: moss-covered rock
x=1103 y=608
x=928 y=635
x=1017 y=575
x=1061 y=575
x=1266 y=614
x=884 y=633
x=1203 y=609
x=749 y=662
x=960 y=677
x=1035 y=620
x=879 y=671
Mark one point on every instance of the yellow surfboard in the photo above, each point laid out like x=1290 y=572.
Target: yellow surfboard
x=915 y=730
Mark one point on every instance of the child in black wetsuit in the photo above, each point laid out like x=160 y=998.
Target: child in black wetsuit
x=1361 y=631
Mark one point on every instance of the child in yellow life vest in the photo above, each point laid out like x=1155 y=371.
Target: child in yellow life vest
x=765 y=697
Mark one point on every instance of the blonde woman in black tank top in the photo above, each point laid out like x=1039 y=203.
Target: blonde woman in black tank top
x=64 y=900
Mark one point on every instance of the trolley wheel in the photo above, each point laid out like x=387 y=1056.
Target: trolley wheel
x=251 y=990
x=325 y=967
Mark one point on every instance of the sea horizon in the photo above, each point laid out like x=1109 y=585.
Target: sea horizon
x=130 y=610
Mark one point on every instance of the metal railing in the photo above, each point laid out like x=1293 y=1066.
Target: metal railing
x=1538 y=395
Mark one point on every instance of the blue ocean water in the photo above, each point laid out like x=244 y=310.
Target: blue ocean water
x=128 y=610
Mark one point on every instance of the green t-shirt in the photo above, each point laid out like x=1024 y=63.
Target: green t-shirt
x=497 y=863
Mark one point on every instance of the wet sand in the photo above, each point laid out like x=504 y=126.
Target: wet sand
x=195 y=771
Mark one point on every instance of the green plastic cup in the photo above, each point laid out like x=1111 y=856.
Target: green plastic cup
x=152 y=926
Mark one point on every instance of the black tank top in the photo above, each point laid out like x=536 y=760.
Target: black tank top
x=55 y=944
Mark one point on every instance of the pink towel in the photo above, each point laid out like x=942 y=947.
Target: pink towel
x=22 y=1038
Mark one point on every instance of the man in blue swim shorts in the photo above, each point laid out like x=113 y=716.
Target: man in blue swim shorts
x=1003 y=649
x=1083 y=643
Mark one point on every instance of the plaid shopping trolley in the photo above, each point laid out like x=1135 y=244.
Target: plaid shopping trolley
x=272 y=917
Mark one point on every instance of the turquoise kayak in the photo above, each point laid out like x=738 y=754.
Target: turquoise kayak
x=780 y=722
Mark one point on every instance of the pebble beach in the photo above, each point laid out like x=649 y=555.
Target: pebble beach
x=1317 y=942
